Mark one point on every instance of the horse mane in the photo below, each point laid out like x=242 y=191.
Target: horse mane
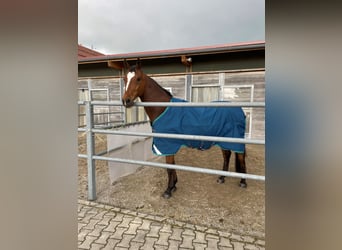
x=132 y=69
x=165 y=90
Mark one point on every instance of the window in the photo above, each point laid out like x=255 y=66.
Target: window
x=241 y=93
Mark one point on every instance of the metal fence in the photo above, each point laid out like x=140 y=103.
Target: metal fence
x=90 y=131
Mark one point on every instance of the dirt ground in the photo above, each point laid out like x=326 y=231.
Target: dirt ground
x=199 y=199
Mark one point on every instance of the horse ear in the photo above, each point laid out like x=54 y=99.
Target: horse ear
x=126 y=66
x=138 y=64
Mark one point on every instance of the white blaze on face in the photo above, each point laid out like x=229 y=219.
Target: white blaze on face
x=130 y=75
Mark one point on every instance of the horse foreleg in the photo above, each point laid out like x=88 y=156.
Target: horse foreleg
x=226 y=157
x=172 y=177
x=240 y=165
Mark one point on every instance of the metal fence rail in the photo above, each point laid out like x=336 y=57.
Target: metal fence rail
x=179 y=167
x=181 y=104
x=91 y=157
x=181 y=136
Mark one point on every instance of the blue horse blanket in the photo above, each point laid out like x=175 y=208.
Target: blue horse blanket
x=207 y=121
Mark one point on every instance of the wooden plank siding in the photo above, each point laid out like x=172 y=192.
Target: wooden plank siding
x=107 y=89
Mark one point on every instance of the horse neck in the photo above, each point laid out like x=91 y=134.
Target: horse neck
x=154 y=93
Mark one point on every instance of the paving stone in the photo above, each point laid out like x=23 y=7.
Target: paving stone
x=236 y=237
x=83 y=234
x=99 y=216
x=93 y=210
x=149 y=243
x=140 y=237
x=200 y=238
x=98 y=205
x=150 y=217
x=87 y=218
x=187 y=241
x=201 y=228
x=225 y=242
x=145 y=225
x=137 y=220
x=260 y=242
x=91 y=224
x=189 y=226
x=166 y=229
x=87 y=242
x=159 y=247
x=118 y=217
x=96 y=246
x=106 y=227
x=111 y=243
x=105 y=221
x=176 y=234
x=159 y=218
x=211 y=231
x=198 y=246
x=163 y=239
x=80 y=226
x=118 y=234
x=174 y=244
x=82 y=212
x=107 y=207
x=135 y=245
x=237 y=245
x=251 y=247
x=132 y=229
x=212 y=236
x=103 y=238
x=129 y=212
x=112 y=226
x=188 y=232
x=224 y=234
x=125 y=221
x=212 y=243
x=154 y=232
x=116 y=209
x=247 y=239
x=125 y=242
x=97 y=231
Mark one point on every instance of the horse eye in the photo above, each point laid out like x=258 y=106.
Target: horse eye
x=138 y=79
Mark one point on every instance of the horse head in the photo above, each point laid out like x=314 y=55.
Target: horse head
x=135 y=82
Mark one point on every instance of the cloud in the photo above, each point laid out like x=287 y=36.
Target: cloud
x=129 y=26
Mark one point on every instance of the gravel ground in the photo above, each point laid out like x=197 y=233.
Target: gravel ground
x=199 y=199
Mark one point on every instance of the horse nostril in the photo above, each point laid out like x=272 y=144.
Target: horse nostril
x=126 y=102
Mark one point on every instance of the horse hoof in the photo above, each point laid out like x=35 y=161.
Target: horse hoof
x=166 y=195
x=243 y=185
x=220 y=180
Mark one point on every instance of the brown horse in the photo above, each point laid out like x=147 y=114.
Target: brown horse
x=138 y=84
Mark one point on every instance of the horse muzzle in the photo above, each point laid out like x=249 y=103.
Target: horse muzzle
x=127 y=102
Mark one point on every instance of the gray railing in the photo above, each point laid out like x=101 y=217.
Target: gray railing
x=90 y=130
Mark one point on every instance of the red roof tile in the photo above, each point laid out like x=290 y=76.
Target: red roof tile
x=84 y=52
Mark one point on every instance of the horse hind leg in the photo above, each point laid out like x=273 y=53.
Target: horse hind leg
x=226 y=157
x=240 y=166
x=172 y=178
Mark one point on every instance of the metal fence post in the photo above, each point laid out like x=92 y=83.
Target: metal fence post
x=188 y=87
x=90 y=152
x=122 y=108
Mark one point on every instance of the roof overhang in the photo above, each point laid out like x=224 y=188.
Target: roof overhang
x=183 y=52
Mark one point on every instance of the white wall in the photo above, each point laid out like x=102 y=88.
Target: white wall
x=128 y=147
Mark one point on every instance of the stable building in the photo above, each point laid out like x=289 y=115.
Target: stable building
x=229 y=72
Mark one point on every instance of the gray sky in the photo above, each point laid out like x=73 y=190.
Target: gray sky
x=120 y=26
